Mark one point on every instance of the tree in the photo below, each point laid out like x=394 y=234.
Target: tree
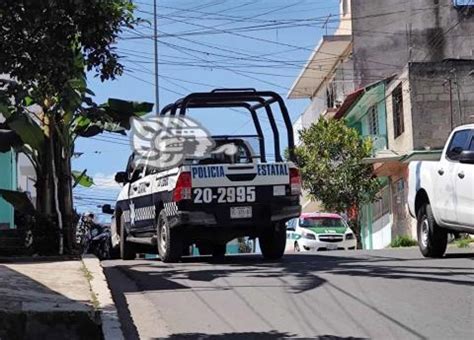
x=46 y=48
x=330 y=160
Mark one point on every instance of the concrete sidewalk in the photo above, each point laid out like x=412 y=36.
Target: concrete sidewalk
x=47 y=299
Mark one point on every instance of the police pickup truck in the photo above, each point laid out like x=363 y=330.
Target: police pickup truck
x=212 y=199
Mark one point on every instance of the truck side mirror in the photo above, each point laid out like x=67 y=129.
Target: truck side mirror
x=107 y=209
x=121 y=177
x=466 y=157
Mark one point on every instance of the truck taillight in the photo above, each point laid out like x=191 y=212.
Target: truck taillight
x=295 y=181
x=182 y=191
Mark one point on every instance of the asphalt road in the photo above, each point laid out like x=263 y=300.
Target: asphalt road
x=388 y=294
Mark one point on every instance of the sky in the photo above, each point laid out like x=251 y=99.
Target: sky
x=203 y=45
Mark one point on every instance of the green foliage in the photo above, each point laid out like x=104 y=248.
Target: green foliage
x=19 y=200
x=27 y=129
x=82 y=179
x=403 y=241
x=47 y=47
x=464 y=241
x=330 y=160
x=46 y=41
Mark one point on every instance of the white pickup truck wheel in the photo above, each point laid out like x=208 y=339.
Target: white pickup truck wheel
x=432 y=239
x=170 y=247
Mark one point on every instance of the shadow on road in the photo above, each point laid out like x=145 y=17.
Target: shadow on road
x=303 y=269
x=251 y=336
x=296 y=273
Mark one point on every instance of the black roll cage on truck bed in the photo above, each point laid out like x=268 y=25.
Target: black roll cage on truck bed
x=246 y=98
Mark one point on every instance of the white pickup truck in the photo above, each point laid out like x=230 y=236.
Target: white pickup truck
x=441 y=193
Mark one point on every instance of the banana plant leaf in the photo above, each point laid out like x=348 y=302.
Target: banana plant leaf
x=80 y=178
x=9 y=139
x=19 y=200
x=122 y=110
x=113 y=116
x=27 y=129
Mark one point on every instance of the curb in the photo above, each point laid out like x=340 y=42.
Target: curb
x=111 y=327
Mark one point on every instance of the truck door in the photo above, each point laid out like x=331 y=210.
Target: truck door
x=446 y=178
x=142 y=210
x=464 y=189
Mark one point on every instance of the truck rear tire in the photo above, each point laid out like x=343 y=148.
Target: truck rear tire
x=273 y=241
x=127 y=249
x=170 y=245
x=432 y=239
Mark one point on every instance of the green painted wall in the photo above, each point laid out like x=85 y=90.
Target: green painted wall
x=7 y=181
x=357 y=116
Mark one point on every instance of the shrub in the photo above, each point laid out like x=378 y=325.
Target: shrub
x=403 y=241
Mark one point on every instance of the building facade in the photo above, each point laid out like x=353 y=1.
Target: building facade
x=401 y=73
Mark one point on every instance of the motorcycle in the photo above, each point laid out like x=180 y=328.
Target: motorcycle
x=93 y=238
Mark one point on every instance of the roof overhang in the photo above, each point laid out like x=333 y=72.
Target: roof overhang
x=348 y=102
x=387 y=156
x=320 y=65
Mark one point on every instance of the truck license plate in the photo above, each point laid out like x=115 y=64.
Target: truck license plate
x=240 y=212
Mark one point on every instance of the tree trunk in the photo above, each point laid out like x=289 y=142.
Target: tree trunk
x=45 y=233
x=65 y=188
x=356 y=229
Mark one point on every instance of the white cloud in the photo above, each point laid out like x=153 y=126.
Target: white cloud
x=105 y=182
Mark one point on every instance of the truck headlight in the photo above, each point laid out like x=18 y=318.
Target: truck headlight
x=349 y=236
x=309 y=236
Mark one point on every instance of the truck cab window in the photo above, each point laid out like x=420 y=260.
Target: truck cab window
x=458 y=144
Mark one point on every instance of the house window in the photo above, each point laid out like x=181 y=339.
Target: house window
x=373 y=121
x=398 y=118
x=381 y=207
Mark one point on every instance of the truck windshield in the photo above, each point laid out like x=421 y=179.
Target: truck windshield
x=310 y=222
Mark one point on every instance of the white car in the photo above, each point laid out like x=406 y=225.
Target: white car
x=320 y=231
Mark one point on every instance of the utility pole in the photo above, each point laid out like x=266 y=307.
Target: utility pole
x=155 y=40
x=450 y=87
x=458 y=92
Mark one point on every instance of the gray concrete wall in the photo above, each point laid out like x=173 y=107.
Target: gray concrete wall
x=430 y=100
x=387 y=34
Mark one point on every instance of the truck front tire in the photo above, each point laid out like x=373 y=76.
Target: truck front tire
x=127 y=249
x=170 y=246
x=432 y=239
x=273 y=241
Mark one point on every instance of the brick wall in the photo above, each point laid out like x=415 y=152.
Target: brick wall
x=430 y=100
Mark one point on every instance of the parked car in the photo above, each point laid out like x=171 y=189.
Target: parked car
x=320 y=231
x=441 y=193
